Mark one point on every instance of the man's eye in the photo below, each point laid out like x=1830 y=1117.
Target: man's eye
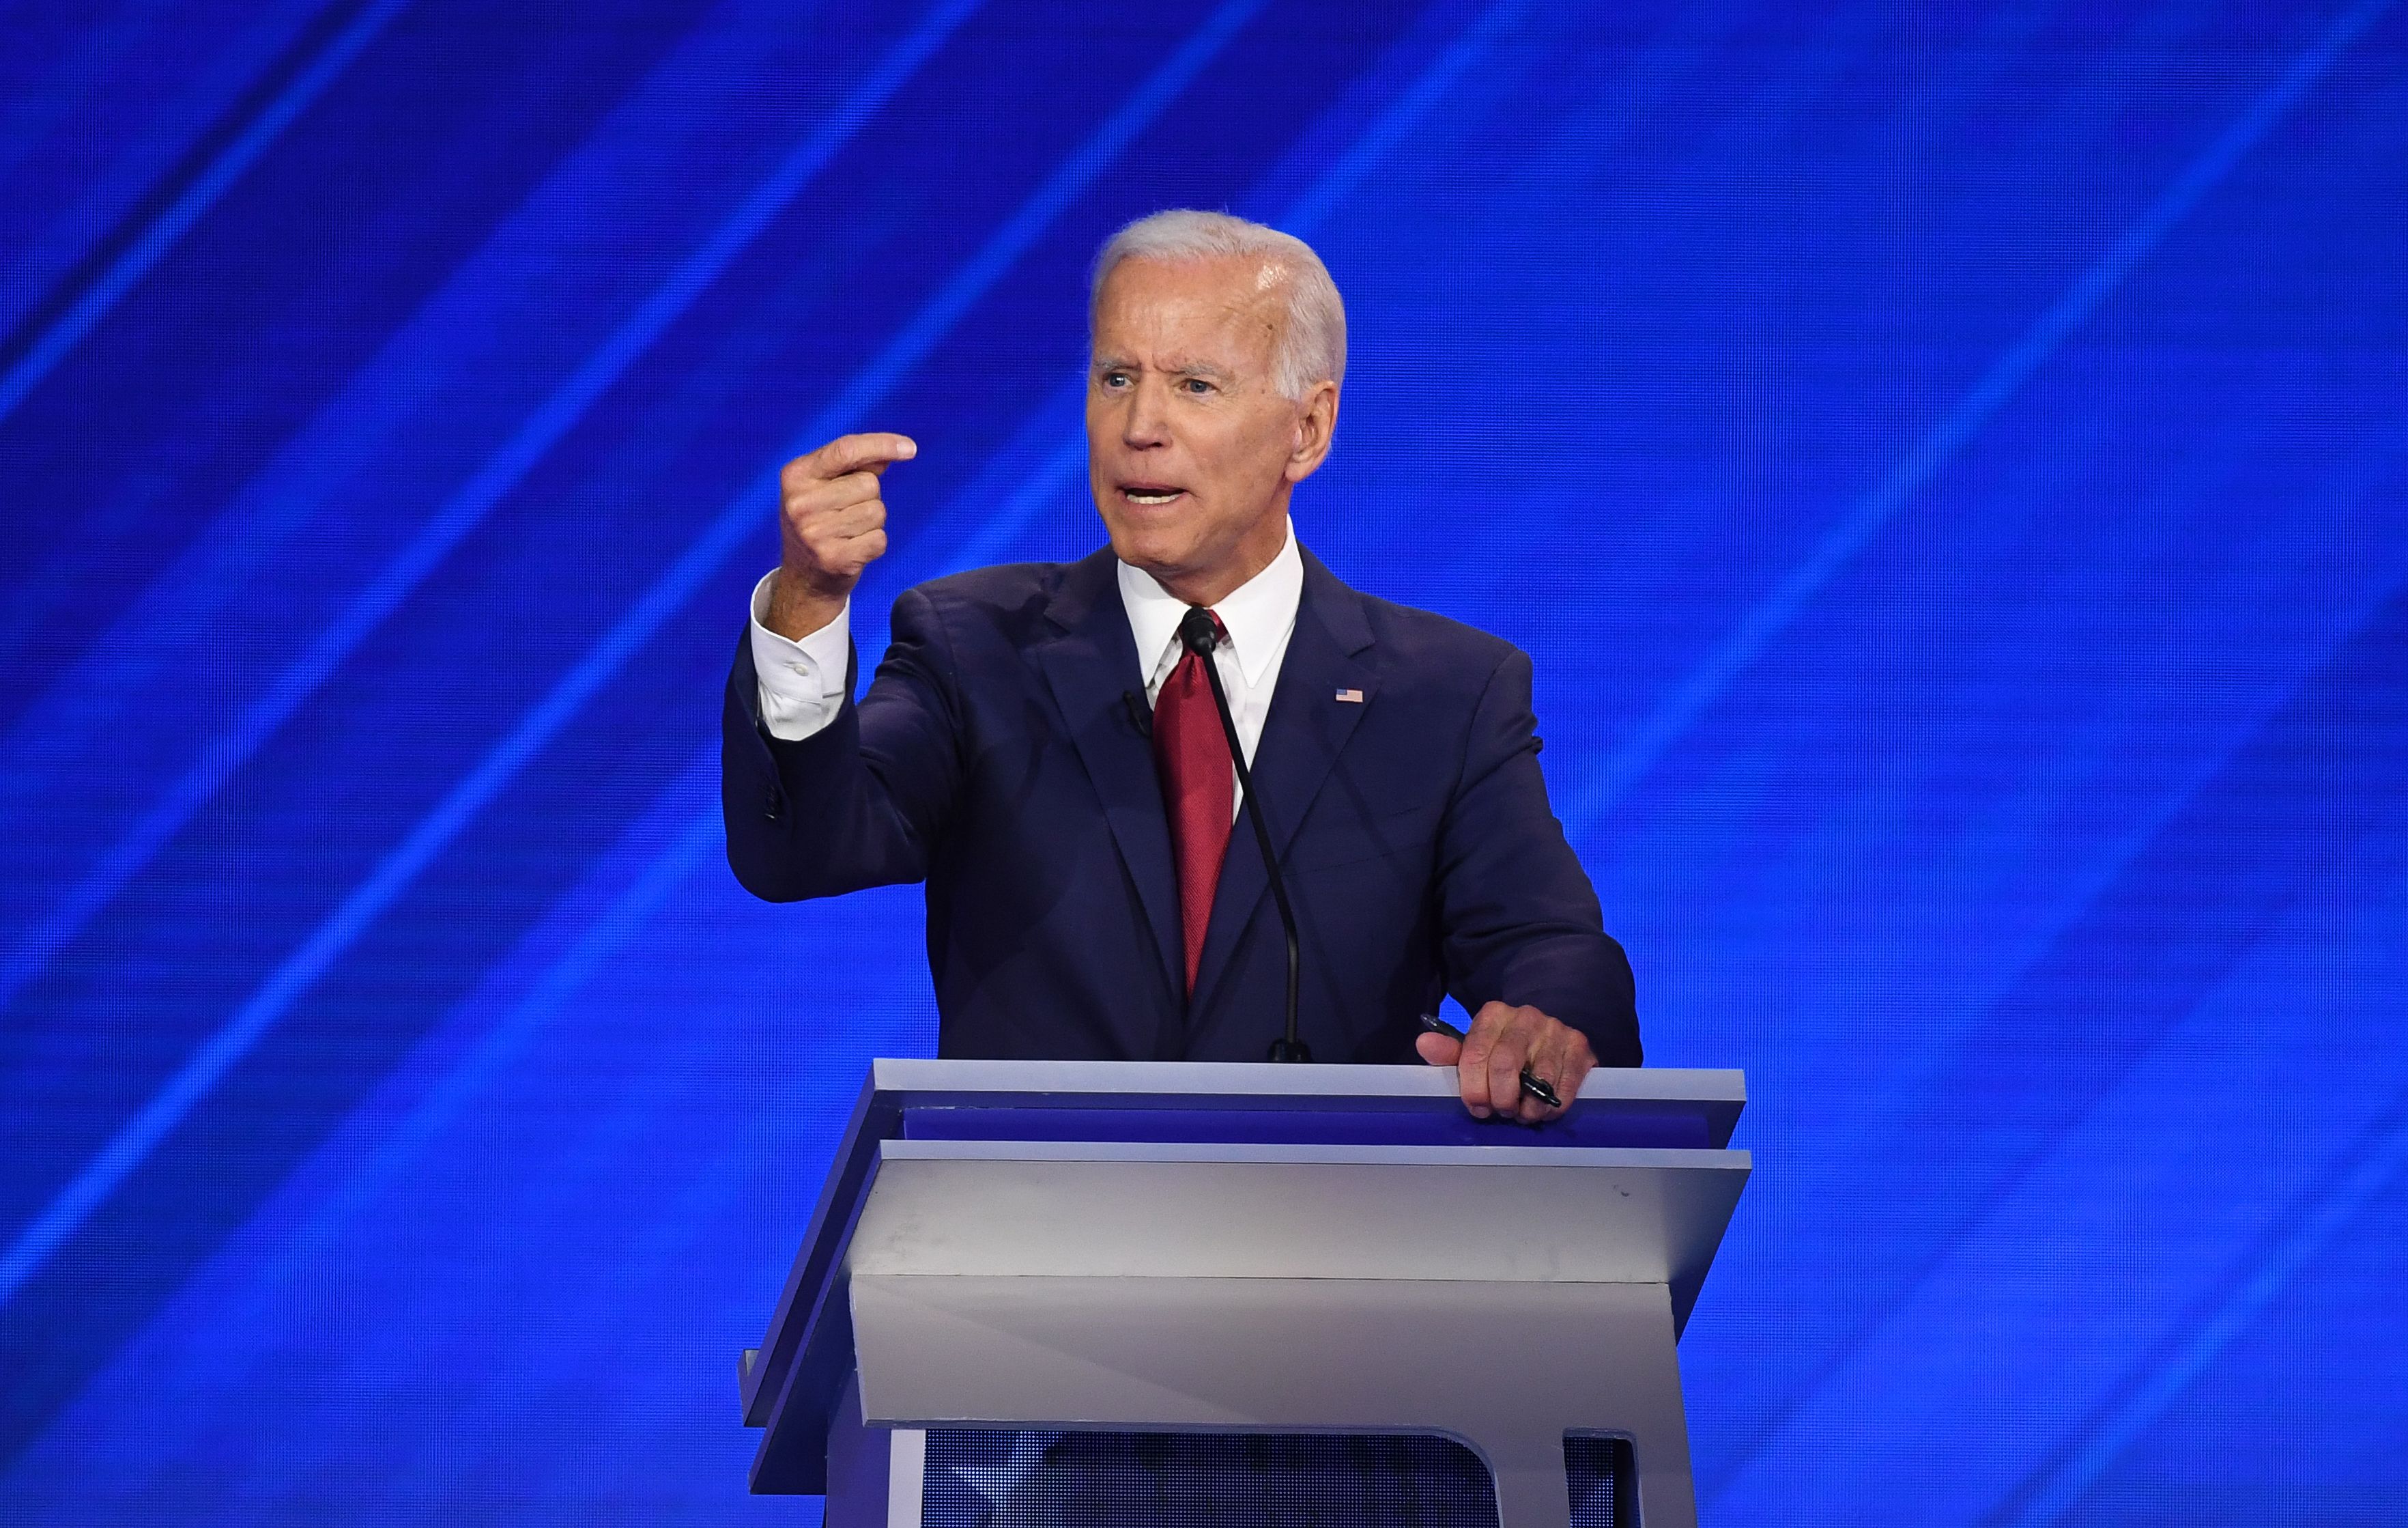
x=1197 y=385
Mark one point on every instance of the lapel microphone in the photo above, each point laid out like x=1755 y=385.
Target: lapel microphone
x=1196 y=634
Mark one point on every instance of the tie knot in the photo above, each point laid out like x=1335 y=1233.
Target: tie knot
x=1200 y=631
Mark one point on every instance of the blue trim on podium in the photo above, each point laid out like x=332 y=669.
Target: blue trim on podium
x=1625 y=1124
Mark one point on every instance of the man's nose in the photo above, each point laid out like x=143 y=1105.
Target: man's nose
x=1146 y=422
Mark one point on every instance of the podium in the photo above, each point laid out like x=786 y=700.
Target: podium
x=1196 y=1251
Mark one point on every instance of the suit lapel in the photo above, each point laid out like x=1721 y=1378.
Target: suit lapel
x=1091 y=667
x=1302 y=736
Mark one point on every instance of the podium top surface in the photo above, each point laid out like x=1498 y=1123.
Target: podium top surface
x=1257 y=1083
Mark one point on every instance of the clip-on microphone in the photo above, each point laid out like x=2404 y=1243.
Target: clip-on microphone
x=1197 y=634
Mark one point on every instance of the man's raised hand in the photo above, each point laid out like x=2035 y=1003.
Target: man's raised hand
x=831 y=524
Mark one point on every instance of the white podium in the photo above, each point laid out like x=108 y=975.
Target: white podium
x=1181 y=1247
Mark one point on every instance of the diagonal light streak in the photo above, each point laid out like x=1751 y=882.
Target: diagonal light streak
x=735 y=522
x=142 y=171
x=1706 y=684
x=523 y=1018
x=2063 y=1489
x=1399 y=117
x=85 y=314
x=1782 y=1418
x=2000 y=382
x=493 y=481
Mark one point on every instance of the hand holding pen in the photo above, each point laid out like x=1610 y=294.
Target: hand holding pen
x=1516 y=1062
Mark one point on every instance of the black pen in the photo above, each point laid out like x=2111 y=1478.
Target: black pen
x=1530 y=1083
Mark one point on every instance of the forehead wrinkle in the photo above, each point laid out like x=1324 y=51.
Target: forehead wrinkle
x=1227 y=304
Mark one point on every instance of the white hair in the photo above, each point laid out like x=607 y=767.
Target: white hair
x=1312 y=345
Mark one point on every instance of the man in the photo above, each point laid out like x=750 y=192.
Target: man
x=1040 y=748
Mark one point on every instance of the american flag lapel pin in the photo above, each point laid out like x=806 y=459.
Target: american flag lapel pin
x=1352 y=696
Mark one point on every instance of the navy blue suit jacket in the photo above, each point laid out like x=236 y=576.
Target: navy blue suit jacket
x=997 y=757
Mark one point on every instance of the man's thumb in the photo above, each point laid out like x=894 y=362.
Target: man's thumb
x=1439 y=1049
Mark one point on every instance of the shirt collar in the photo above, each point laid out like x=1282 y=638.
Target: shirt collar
x=1258 y=615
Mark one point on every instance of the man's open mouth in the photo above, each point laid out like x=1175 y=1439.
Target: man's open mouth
x=1150 y=494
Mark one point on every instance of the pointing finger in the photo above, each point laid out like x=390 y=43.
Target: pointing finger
x=868 y=453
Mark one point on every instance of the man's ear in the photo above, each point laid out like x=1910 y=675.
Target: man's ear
x=1316 y=424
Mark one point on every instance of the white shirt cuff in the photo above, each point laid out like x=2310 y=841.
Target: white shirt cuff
x=801 y=683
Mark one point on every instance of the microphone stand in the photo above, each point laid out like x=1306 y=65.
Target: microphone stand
x=1196 y=633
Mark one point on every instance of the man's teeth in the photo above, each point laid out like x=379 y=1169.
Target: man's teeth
x=1148 y=496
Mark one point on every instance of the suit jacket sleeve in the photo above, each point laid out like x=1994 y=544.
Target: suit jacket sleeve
x=1519 y=920
x=860 y=803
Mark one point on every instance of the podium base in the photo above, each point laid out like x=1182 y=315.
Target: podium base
x=1525 y=1365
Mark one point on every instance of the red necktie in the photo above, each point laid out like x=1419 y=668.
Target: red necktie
x=1192 y=755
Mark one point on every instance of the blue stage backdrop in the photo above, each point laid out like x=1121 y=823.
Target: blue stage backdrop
x=1950 y=464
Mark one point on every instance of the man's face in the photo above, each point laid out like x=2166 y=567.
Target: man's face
x=1191 y=450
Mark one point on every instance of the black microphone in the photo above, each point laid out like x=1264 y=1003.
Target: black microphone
x=1199 y=635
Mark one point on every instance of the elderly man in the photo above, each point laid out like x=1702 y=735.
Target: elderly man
x=1042 y=750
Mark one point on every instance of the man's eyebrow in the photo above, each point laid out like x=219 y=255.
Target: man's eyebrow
x=1176 y=368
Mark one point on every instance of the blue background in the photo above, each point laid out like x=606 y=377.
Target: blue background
x=1949 y=463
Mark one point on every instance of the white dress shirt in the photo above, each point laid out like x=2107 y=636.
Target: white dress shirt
x=802 y=682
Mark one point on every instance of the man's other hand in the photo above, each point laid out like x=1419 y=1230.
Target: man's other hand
x=1501 y=1042
x=831 y=524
